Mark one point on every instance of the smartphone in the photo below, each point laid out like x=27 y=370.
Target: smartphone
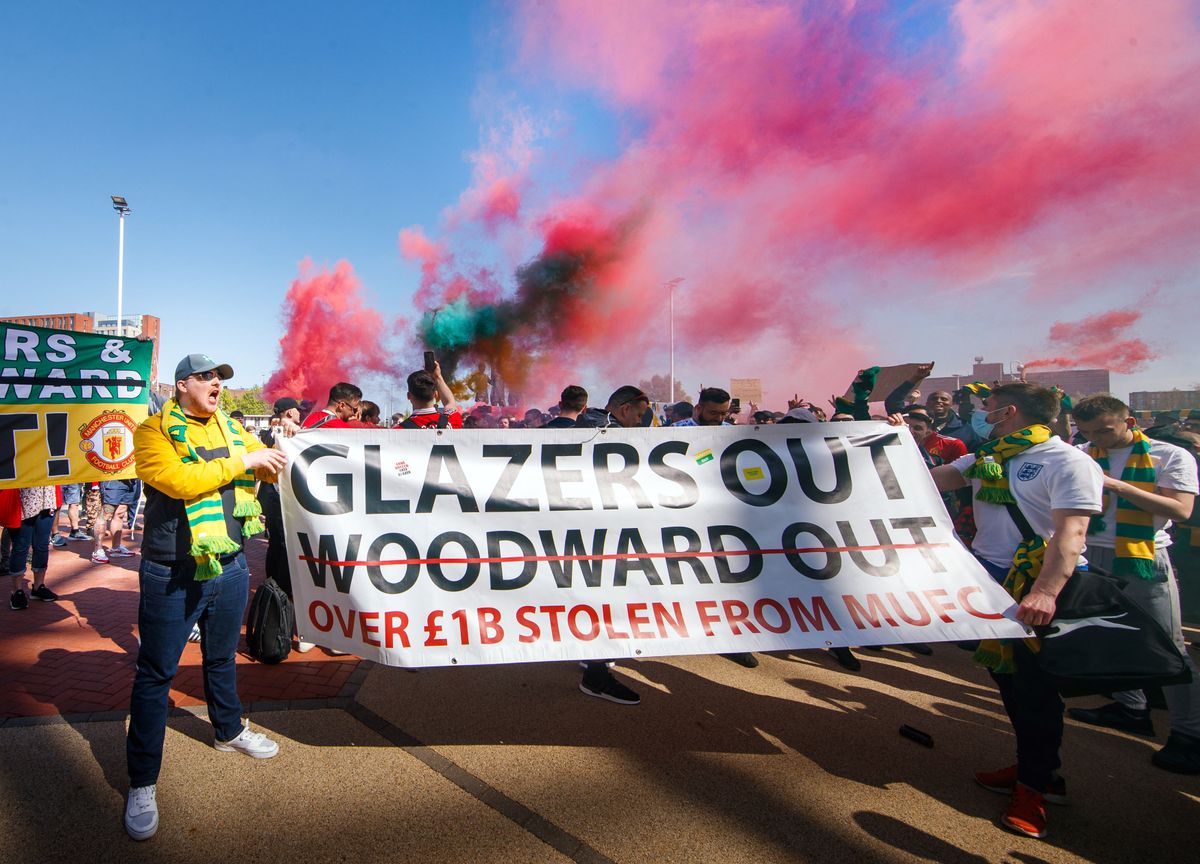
x=430 y=360
x=735 y=406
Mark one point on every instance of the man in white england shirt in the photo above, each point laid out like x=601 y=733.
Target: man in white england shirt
x=1057 y=489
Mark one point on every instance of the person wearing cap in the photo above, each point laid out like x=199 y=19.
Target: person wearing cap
x=285 y=408
x=199 y=468
x=802 y=415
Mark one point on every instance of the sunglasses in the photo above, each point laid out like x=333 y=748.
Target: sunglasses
x=205 y=376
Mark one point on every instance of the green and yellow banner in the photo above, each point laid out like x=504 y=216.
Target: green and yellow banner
x=69 y=403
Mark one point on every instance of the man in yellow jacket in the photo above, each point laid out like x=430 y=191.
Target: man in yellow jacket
x=199 y=467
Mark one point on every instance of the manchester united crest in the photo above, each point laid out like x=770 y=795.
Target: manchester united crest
x=107 y=441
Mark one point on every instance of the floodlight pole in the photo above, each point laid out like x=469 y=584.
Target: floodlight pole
x=671 y=291
x=122 y=208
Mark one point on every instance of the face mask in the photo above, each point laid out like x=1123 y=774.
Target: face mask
x=980 y=425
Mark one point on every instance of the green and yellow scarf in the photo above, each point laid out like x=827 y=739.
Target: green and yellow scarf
x=206 y=514
x=991 y=469
x=861 y=386
x=991 y=462
x=1134 y=547
x=978 y=388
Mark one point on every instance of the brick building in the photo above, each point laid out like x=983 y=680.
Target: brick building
x=1164 y=400
x=105 y=325
x=1076 y=382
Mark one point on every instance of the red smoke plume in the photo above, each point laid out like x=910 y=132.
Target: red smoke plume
x=1098 y=341
x=793 y=161
x=794 y=153
x=330 y=335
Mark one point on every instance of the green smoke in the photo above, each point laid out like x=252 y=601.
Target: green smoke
x=457 y=325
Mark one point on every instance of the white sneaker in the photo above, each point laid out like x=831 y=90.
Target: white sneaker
x=141 y=813
x=254 y=744
x=100 y=556
x=194 y=636
x=304 y=647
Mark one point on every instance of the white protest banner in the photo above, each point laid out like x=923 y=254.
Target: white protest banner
x=429 y=548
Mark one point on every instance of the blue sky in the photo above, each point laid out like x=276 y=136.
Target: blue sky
x=249 y=136
x=245 y=137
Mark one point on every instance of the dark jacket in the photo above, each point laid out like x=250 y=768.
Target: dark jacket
x=954 y=427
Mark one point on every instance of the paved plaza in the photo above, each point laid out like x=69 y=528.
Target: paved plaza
x=794 y=761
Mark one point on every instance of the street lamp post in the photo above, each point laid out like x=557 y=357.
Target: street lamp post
x=671 y=290
x=122 y=207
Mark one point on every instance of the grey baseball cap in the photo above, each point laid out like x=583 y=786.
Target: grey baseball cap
x=193 y=363
x=799 y=415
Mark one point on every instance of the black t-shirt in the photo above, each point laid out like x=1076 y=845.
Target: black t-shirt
x=167 y=537
x=560 y=423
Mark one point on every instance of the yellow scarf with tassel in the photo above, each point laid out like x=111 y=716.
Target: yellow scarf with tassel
x=991 y=469
x=206 y=514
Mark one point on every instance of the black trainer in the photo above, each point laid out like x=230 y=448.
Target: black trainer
x=743 y=658
x=919 y=648
x=44 y=594
x=1180 y=756
x=609 y=688
x=18 y=600
x=1114 y=715
x=846 y=659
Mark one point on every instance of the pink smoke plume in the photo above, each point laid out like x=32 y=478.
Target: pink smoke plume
x=788 y=160
x=330 y=335
x=788 y=154
x=500 y=173
x=1098 y=341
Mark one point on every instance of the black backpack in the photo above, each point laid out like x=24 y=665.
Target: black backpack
x=442 y=422
x=1100 y=640
x=269 y=623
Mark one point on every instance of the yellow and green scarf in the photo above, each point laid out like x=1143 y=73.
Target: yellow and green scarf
x=991 y=462
x=206 y=514
x=991 y=469
x=1134 y=547
x=861 y=386
x=978 y=388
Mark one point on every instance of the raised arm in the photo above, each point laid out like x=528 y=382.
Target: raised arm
x=445 y=394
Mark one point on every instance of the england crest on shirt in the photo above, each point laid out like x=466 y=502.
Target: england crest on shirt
x=1029 y=470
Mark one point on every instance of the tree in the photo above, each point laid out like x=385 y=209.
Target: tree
x=658 y=389
x=248 y=401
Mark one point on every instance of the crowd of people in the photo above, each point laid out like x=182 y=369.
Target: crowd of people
x=1037 y=487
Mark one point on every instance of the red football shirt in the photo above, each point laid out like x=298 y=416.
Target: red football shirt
x=325 y=420
x=428 y=417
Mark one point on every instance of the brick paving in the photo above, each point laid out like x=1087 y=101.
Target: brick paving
x=77 y=656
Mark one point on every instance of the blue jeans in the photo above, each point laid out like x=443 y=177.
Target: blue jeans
x=35 y=532
x=171 y=602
